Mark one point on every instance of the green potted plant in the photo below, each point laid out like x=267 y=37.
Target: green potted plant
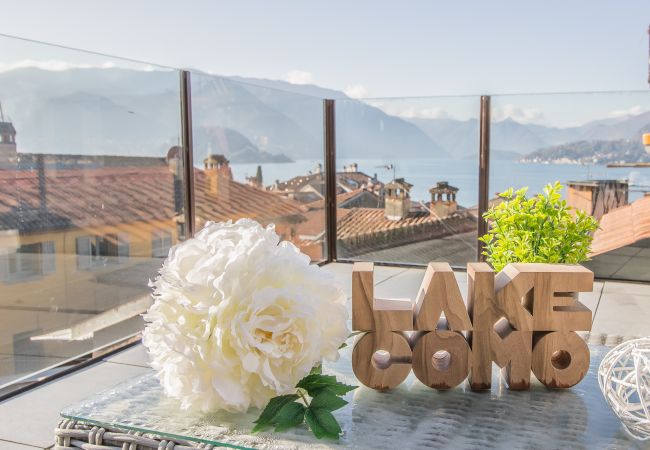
x=539 y=229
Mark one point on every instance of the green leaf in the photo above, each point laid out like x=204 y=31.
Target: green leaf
x=290 y=415
x=338 y=389
x=272 y=408
x=326 y=399
x=314 y=382
x=322 y=423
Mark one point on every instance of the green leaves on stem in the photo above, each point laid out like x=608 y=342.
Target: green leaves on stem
x=541 y=229
x=288 y=411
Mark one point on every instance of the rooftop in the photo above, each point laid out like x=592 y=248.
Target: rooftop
x=72 y=195
x=365 y=221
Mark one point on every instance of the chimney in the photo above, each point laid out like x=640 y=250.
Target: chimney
x=443 y=199
x=8 y=152
x=597 y=197
x=175 y=165
x=218 y=176
x=256 y=181
x=352 y=168
x=398 y=199
x=174 y=160
x=42 y=188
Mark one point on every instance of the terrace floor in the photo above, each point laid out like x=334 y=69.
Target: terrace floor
x=621 y=311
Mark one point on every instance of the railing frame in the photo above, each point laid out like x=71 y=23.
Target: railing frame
x=483 y=173
x=188 y=152
x=329 y=131
x=329 y=149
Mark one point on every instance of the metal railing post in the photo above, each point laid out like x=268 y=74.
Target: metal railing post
x=483 y=171
x=188 y=152
x=329 y=128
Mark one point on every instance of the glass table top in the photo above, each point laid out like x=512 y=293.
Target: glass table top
x=411 y=416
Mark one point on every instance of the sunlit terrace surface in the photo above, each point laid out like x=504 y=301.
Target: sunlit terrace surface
x=102 y=172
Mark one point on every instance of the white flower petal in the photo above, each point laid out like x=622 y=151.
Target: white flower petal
x=239 y=317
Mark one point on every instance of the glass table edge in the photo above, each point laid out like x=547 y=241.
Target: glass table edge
x=143 y=430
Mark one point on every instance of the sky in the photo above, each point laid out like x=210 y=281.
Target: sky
x=364 y=48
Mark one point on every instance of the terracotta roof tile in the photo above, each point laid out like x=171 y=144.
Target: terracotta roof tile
x=340 y=198
x=363 y=221
x=315 y=221
x=110 y=196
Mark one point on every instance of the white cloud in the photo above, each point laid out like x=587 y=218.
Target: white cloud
x=356 y=91
x=633 y=111
x=522 y=115
x=299 y=77
x=52 y=65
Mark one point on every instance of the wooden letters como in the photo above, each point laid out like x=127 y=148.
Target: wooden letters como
x=522 y=318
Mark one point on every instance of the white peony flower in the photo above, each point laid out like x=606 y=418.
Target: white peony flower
x=239 y=317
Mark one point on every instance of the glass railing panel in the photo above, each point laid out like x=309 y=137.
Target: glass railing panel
x=259 y=154
x=592 y=144
x=91 y=200
x=407 y=179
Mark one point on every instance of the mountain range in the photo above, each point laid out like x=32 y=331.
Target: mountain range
x=129 y=112
x=591 y=152
x=511 y=139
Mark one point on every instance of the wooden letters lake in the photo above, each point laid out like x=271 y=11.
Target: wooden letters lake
x=523 y=318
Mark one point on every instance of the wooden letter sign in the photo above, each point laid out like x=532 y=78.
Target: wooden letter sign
x=523 y=318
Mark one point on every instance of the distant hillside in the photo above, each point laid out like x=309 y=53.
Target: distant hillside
x=362 y=131
x=234 y=145
x=129 y=112
x=460 y=137
x=591 y=152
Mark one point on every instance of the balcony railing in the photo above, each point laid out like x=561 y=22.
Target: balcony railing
x=106 y=163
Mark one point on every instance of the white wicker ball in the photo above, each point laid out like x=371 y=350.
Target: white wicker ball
x=624 y=378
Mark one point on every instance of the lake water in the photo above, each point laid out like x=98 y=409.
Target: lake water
x=424 y=173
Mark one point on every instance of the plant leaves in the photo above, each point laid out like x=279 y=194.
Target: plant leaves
x=337 y=389
x=314 y=382
x=326 y=399
x=284 y=412
x=289 y=416
x=272 y=408
x=322 y=423
x=542 y=228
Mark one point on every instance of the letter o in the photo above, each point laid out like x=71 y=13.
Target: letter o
x=381 y=360
x=441 y=359
x=560 y=359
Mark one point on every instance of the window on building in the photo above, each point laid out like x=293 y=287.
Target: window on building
x=180 y=230
x=161 y=242
x=28 y=261
x=99 y=251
